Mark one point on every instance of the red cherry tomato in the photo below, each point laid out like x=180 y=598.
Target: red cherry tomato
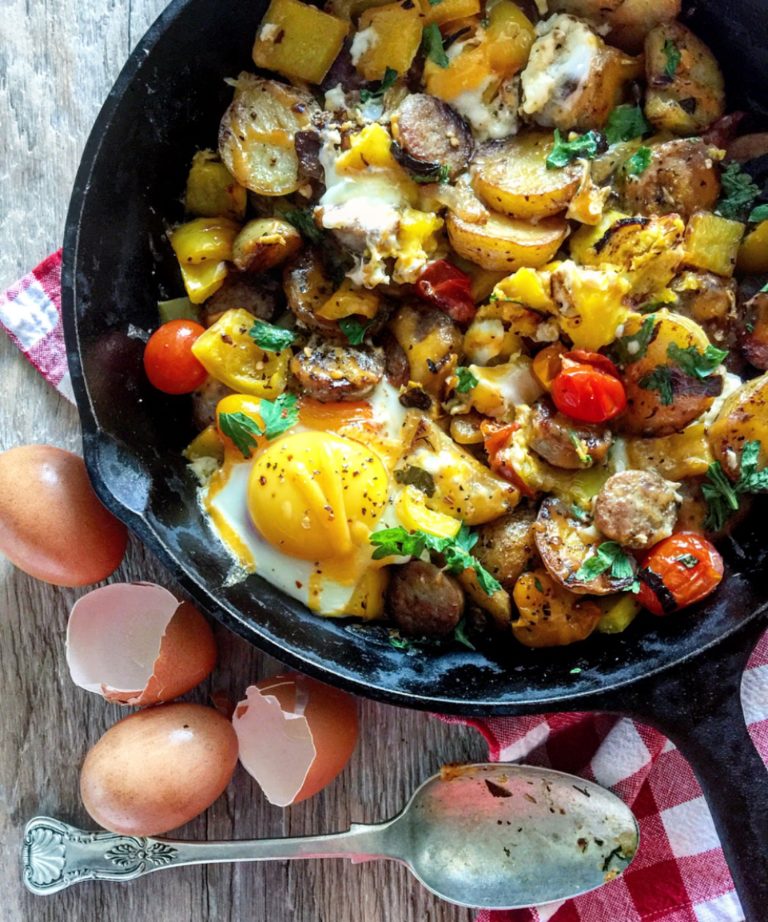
x=681 y=570
x=588 y=393
x=447 y=288
x=595 y=359
x=495 y=441
x=168 y=359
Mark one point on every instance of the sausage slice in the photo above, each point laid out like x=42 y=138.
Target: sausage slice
x=431 y=134
x=637 y=508
x=563 y=442
x=422 y=600
x=328 y=372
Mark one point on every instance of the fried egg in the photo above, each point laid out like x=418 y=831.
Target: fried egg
x=300 y=511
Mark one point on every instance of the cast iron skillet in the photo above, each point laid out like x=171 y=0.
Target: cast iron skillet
x=681 y=674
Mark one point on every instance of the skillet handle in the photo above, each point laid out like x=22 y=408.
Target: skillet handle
x=698 y=706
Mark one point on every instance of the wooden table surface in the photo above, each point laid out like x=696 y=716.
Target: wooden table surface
x=58 y=59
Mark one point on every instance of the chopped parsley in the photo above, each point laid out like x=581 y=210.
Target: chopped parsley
x=271 y=338
x=581 y=453
x=537 y=585
x=354 y=329
x=456 y=554
x=632 y=347
x=277 y=416
x=694 y=363
x=564 y=152
x=759 y=214
x=441 y=175
x=432 y=40
x=688 y=561
x=304 y=222
x=722 y=495
x=608 y=556
x=581 y=515
x=460 y=631
x=390 y=75
x=738 y=193
x=398 y=642
x=626 y=123
x=466 y=380
x=435 y=2
x=660 y=379
x=416 y=477
x=673 y=56
x=639 y=161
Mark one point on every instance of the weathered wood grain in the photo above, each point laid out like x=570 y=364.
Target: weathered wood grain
x=58 y=59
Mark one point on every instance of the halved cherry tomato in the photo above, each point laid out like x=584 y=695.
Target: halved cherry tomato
x=588 y=392
x=447 y=288
x=681 y=570
x=168 y=359
x=595 y=359
x=495 y=440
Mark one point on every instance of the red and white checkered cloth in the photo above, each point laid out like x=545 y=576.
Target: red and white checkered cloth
x=679 y=874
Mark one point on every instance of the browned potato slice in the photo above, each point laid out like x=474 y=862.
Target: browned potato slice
x=681 y=178
x=685 y=86
x=307 y=288
x=256 y=135
x=432 y=344
x=550 y=616
x=565 y=543
x=512 y=177
x=264 y=243
x=743 y=418
x=507 y=546
x=506 y=243
x=661 y=398
x=629 y=20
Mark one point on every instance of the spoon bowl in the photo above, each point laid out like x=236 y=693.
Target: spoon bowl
x=488 y=835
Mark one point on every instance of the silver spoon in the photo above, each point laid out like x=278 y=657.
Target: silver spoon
x=490 y=835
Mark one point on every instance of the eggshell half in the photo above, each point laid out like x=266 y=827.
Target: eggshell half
x=52 y=524
x=158 y=768
x=135 y=643
x=295 y=735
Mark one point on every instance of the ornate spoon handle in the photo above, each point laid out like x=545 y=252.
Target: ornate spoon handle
x=56 y=855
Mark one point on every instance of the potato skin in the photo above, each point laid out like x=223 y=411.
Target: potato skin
x=424 y=601
x=432 y=344
x=504 y=243
x=681 y=178
x=506 y=546
x=743 y=418
x=550 y=616
x=694 y=96
x=264 y=243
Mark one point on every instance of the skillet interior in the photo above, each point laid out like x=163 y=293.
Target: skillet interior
x=165 y=105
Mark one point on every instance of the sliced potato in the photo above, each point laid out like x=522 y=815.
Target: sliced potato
x=506 y=243
x=257 y=132
x=432 y=345
x=685 y=87
x=264 y=243
x=512 y=177
x=550 y=616
x=743 y=418
x=565 y=543
x=651 y=411
x=682 y=454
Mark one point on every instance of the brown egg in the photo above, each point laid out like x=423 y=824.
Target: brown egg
x=157 y=769
x=52 y=524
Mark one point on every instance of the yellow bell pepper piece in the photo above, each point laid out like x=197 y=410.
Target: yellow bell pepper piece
x=712 y=243
x=414 y=515
x=618 y=612
x=205 y=444
x=466 y=72
x=394 y=40
x=753 y=252
x=510 y=35
x=203 y=280
x=416 y=243
x=367 y=148
x=299 y=40
x=347 y=301
x=448 y=10
x=528 y=287
x=229 y=354
x=367 y=600
x=212 y=191
x=204 y=239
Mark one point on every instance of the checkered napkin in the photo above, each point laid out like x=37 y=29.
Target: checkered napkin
x=679 y=874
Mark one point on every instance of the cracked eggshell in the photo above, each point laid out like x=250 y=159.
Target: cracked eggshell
x=136 y=644
x=295 y=735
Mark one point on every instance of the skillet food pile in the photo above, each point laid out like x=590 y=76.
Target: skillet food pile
x=474 y=323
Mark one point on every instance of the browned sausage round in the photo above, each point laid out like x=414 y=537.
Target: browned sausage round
x=637 y=508
x=506 y=546
x=563 y=442
x=307 y=287
x=424 y=601
x=260 y=295
x=430 y=135
x=328 y=372
x=681 y=178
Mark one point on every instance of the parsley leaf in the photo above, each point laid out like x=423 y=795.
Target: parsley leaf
x=632 y=347
x=304 y=222
x=581 y=453
x=626 y=123
x=639 y=161
x=673 y=56
x=688 y=561
x=433 y=45
x=416 y=477
x=390 y=75
x=466 y=380
x=456 y=551
x=660 y=379
x=398 y=642
x=564 y=152
x=441 y=175
x=608 y=556
x=354 y=329
x=722 y=495
x=271 y=338
x=243 y=431
x=279 y=414
x=694 y=363
x=581 y=515
x=738 y=192
x=435 y=2
x=759 y=214
x=460 y=631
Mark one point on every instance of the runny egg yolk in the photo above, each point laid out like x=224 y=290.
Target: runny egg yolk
x=316 y=496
